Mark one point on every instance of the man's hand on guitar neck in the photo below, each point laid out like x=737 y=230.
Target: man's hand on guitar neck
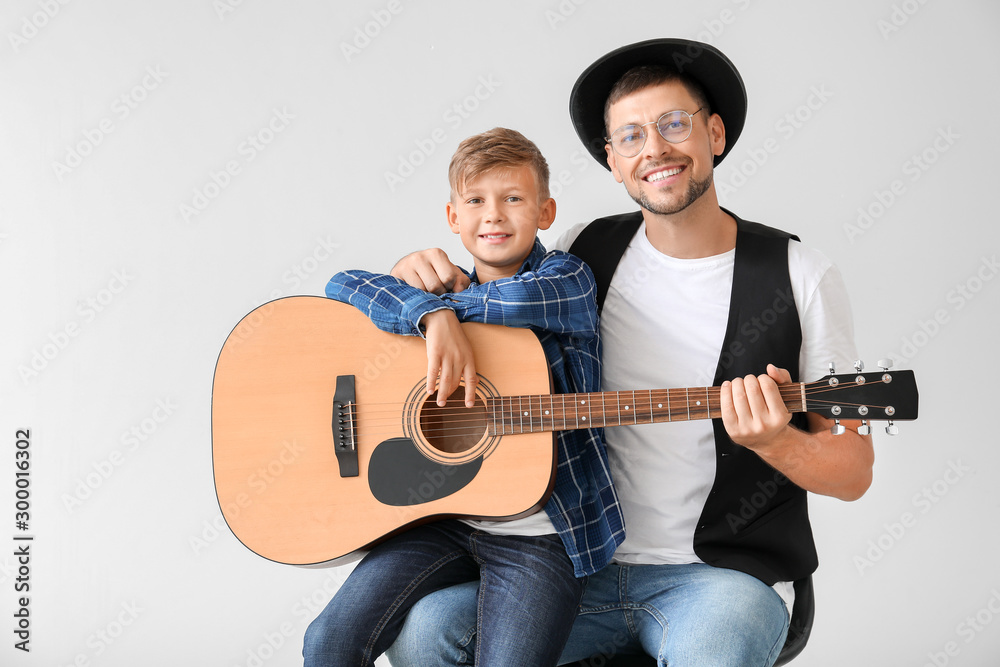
x=449 y=357
x=816 y=460
x=431 y=271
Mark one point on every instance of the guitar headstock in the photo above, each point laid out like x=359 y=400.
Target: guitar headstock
x=886 y=395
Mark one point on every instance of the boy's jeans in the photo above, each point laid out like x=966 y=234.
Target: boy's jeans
x=527 y=596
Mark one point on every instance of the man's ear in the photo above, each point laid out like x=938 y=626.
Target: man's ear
x=613 y=162
x=717 y=134
x=452 y=214
x=547 y=214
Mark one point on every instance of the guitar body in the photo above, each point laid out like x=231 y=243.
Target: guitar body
x=303 y=377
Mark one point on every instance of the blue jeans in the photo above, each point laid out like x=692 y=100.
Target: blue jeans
x=527 y=596
x=685 y=615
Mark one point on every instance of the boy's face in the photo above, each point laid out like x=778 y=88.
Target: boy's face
x=497 y=216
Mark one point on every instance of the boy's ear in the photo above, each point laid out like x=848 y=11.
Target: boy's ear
x=452 y=214
x=547 y=214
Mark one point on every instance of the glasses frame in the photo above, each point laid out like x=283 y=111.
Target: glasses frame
x=645 y=135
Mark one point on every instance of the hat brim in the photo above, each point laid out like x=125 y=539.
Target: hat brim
x=702 y=62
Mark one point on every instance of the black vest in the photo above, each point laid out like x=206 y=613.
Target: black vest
x=755 y=520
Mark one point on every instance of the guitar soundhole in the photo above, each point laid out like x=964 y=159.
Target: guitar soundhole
x=454 y=428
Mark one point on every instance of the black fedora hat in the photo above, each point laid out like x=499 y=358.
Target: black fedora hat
x=703 y=63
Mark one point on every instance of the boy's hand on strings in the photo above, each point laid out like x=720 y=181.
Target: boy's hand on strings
x=449 y=357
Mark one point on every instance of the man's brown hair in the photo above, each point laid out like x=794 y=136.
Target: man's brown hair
x=499 y=148
x=644 y=76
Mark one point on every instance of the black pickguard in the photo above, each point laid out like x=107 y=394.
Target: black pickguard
x=400 y=475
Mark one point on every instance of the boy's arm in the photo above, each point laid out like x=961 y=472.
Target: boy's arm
x=395 y=307
x=558 y=296
x=389 y=303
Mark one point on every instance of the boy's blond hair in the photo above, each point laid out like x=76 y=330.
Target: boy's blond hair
x=499 y=148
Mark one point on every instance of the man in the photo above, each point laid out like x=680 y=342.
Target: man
x=717 y=527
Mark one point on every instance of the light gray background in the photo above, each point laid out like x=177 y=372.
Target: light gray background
x=117 y=298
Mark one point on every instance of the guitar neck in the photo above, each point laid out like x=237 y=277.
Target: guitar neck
x=567 y=412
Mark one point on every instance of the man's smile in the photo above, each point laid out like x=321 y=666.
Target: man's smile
x=662 y=173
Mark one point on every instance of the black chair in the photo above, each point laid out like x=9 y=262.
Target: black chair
x=799 y=628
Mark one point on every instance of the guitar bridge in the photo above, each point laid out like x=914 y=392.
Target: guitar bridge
x=343 y=422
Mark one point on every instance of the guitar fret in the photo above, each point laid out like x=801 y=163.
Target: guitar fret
x=687 y=399
x=700 y=396
x=508 y=416
x=635 y=415
x=497 y=415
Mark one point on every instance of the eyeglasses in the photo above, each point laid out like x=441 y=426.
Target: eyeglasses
x=674 y=126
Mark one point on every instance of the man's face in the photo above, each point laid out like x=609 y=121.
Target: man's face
x=665 y=178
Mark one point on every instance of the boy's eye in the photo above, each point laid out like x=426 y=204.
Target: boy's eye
x=474 y=200
x=513 y=198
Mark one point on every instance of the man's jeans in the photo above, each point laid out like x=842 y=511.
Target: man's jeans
x=527 y=596
x=691 y=615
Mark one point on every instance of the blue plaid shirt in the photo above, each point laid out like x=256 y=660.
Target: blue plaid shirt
x=553 y=295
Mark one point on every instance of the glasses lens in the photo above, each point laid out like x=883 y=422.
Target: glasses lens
x=628 y=140
x=675 y=126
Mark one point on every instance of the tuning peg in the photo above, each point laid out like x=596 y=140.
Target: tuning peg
x=837 y=428
x=885 y=364
x=833 y=368
x=892 y=429
x=859 y=365
x=864 y=429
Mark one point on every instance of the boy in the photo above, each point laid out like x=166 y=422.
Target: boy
x=532 y=570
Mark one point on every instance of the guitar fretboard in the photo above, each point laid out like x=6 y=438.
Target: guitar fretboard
x=566 y=412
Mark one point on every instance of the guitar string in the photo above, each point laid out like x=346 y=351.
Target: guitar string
x=461 y=423
x=789 y=393
x=393 y=406
x=456 y=408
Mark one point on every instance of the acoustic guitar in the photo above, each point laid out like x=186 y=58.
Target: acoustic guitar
x=325 y=441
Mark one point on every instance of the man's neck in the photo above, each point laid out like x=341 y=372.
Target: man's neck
x=702 y=229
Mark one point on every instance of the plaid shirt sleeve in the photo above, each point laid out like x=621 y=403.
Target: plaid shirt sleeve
x=389 y=303
x=552 y=292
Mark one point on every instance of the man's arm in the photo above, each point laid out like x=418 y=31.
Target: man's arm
x=431 y=271
x=816 y=460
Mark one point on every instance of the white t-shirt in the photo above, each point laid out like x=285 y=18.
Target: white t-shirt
x=663 y=325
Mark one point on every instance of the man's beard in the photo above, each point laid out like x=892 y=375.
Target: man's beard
x=694 y=190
